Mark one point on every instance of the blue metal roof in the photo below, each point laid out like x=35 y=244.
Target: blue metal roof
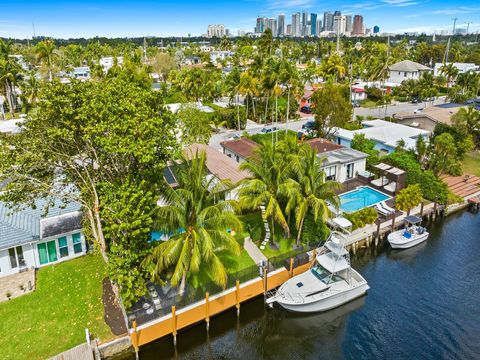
x=23 y=226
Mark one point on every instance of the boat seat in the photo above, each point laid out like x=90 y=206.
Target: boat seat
x=407 y=235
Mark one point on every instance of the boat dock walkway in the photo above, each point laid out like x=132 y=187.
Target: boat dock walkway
x=80 y=352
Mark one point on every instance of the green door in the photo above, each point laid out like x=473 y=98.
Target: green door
x=42 y=253
x=52 y=251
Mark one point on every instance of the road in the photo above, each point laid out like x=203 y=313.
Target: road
x=296 y=125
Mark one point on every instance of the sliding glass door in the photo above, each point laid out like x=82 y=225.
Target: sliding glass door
x=47 y=252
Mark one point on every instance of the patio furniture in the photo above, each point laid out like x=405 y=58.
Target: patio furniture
x=386 y=207
x=382 y=181
x=391 y=187
x=381 y=210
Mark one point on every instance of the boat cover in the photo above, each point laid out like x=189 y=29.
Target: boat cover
x=333 y=263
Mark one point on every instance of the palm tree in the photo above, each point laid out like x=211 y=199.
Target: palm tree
x=313 y=191
x=248 y=87
x=198 y=223
x=10 y=73
x=30 y=89
x=46 y=54
x=263 y=188
x=450 y=71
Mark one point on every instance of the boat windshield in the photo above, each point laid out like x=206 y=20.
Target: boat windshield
x=324 y=276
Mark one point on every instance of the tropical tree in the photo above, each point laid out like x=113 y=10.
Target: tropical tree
x=195 y=125
x=46 y=54
x=450 y=71
x=408 y=198
x=468 y=122
x=10 y=74
x=198 y=223
x=444 y=155
x=248 y=87
x=268 y=173
x=30 y=90
x=311 y=192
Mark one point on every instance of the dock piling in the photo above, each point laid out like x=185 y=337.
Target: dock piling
x=237 y=294
x=174 y=326
x=207 y=310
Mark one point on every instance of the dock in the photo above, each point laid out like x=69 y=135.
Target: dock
x=80 y=352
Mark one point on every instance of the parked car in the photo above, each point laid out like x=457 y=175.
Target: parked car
x=233 y=137
x=306 y=110
x=267 y=130
x=308 y=125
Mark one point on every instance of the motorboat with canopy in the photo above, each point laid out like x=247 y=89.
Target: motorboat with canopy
x=413 y=234
x=329 y=283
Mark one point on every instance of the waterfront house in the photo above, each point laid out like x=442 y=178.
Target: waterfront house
x=405 y=70
x=239 y=149
x=428 y=118
x=31 y=238
x=339 y=163
x=385 y=134
x=81 y=73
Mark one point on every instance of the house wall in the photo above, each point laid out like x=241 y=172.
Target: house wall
x=233 y=155
x=398 y=76
x=341 y=169
x=5 y=266
x=31 y=256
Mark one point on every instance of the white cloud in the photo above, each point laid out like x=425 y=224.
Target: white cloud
x=455 y=11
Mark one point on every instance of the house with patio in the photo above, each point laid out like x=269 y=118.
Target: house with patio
x=405 y=70
x=385 y=134
x=31 y=238
x=239 y=149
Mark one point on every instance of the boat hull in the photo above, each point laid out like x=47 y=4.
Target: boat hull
x=397 y=241
x=327 y=303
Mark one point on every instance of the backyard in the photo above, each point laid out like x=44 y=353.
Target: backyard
x=471 y=163
x=52 y=319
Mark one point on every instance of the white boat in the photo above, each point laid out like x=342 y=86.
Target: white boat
x=413 y=234
x=329 y=283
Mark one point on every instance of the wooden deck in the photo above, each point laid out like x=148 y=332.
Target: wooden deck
x=463 y=186
x=80 y=352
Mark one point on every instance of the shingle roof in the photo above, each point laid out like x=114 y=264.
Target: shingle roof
x=322 y=145
x=22 y=226
x=243 y=147
x=218 y=164
x=409 y=66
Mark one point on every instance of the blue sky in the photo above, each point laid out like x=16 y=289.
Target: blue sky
x=182 y=17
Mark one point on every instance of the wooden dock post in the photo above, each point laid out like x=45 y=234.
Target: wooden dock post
x=237 y=294
x=290 y=273
x=421 y=209
x=265 y=284
x=393 y=222
x=207 y=310
x=377 y=238
x=135 y=344
x=434 y=215
x=174 y=325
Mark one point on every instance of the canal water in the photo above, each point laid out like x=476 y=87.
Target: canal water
x=423 y=303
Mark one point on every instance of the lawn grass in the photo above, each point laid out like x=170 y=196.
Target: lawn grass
x=471 y=163
x=368 y=103
x=286 y=245
x=259 y=138
x=52 y=319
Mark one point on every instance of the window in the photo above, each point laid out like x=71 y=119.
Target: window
x=63 y=246
x=349 y=171
x=238 y=158
x=47 y=252
x=16 y=257
x=331 y=172
x=405 y=74
x=77 y=243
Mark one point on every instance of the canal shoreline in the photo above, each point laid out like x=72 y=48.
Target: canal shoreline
x=121 y=348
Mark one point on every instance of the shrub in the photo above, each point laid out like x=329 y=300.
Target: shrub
x=362 y=217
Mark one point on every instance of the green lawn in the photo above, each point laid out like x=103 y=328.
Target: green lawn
x=259 y=138
x=368 y=103
x=471 y=163
x=53 y=318
x=286 y=245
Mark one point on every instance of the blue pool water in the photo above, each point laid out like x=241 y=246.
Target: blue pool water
x=360 y=198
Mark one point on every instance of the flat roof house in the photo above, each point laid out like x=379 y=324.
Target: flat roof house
x=30 y=239
x=385 y=134
x=428 y=118
x=404 y=70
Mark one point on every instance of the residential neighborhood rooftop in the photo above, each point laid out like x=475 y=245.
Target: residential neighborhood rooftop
x=409 y=66
x=218 y=164
x=322 y=145
x=342 y=155
x=438 y=113
x=243 y=147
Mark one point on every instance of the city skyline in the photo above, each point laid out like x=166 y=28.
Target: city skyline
x=149 y=18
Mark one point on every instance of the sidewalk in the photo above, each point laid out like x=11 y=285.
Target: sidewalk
x=253 y=251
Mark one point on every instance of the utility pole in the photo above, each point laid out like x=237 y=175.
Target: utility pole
x=144 y=50
x=33 y=26
x=468 y=26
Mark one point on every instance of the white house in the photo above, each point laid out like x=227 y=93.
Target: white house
x=107 y=62
x=461 y=67
x=405 y=70
x=30 y=240
x=385 y=134
x=217 y=56
x=358 y=93
x=81 y=73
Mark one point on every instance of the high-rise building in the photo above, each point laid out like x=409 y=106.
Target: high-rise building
x=376 y=29
x=304 y=23
x=327 y=21
x=313 y=24
x=339 y=24
x=289 y=30
x=281 y=25
x=261 y=25
x=358 y=25
x=337 y=13
x=217 y=30
x=348 y=24
x=296 y=25
x=272 y=25
x=319 y=26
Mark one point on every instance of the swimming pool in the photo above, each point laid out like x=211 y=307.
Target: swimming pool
x=361 y=197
